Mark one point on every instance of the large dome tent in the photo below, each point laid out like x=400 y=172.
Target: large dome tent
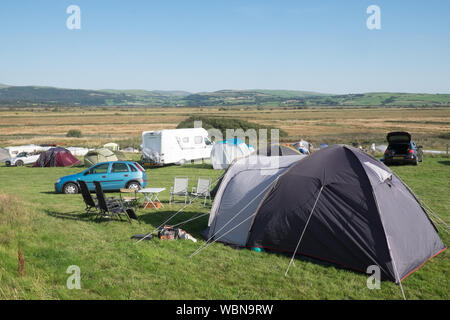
x=338 y=205
x=99 y=155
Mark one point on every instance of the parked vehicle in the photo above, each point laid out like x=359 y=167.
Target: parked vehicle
x=175 y=146
x=30 y=148
x=22 y=158
x=112 y=175
x=401 y=149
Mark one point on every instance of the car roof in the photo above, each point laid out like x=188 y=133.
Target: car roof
x=118 y=161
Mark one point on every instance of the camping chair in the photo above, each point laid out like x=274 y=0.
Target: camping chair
x=180 y=188
x=87 y=197
x=130 y=201
x=113 y=207
x=202 y=189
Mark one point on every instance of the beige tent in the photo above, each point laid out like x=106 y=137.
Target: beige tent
x=112 y=146
x=99 y=155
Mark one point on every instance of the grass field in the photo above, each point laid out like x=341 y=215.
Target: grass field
x=54 y=233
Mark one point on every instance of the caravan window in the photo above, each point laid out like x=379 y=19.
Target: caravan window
x=185 y=139
x=198 y=139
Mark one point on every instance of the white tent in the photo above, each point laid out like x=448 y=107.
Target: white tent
x=78 y=151
x=226 y=151
x=381 y=148
x=4 y=155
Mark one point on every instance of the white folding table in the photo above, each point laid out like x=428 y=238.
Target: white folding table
x=151 y=195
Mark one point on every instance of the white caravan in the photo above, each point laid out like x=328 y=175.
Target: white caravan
x=175 y=146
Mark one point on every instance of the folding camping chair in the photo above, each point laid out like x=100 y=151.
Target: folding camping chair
x=112 y=207
x=130 y=201
x=180 y=188
x=87 y=197
x=202 y=189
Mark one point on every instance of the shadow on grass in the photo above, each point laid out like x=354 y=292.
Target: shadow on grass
x=156 y=218
x=82 y=216
x=72 y=215
x=445 y=162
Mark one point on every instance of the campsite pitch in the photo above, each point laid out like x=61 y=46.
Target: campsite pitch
x=54 y=233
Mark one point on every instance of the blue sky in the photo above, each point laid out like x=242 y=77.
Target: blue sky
x=206 y=45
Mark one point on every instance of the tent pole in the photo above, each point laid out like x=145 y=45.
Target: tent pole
x=303 y=232
x=398 y=276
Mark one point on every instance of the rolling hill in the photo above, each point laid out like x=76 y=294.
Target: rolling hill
x=50 y=96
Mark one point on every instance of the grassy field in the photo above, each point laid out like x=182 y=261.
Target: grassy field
x=54 y=233
x=428 y=126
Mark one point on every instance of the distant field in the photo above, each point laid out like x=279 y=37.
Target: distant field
x=429 y=126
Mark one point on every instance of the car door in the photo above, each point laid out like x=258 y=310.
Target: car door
x=31 y=158
x=118 y=177
x=96 y=173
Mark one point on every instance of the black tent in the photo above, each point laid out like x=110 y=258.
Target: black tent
x=338 y=205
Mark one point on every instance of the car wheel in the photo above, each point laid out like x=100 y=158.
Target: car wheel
x=416 y=162
x=134 y=185
x=19 y=163
x=70 y=188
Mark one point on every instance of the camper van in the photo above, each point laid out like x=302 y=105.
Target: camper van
x=175 y=146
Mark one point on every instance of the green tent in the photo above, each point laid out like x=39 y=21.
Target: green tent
x=120 y=156
x=99 y=155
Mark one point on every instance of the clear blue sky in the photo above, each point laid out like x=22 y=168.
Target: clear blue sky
x=205 y=45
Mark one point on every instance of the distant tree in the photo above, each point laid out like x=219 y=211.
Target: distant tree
x=74 y=133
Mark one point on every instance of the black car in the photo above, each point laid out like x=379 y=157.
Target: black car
x=401 y=149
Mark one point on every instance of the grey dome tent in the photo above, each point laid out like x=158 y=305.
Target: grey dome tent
x=99 y=155
x=338 y=205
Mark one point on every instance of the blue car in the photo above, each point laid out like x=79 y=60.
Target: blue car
x=112 y=175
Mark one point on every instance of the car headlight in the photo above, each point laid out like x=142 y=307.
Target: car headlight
x=58 y=181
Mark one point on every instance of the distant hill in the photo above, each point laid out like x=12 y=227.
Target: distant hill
x=48 y=96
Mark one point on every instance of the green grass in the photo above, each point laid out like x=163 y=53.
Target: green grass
x=54 y=233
